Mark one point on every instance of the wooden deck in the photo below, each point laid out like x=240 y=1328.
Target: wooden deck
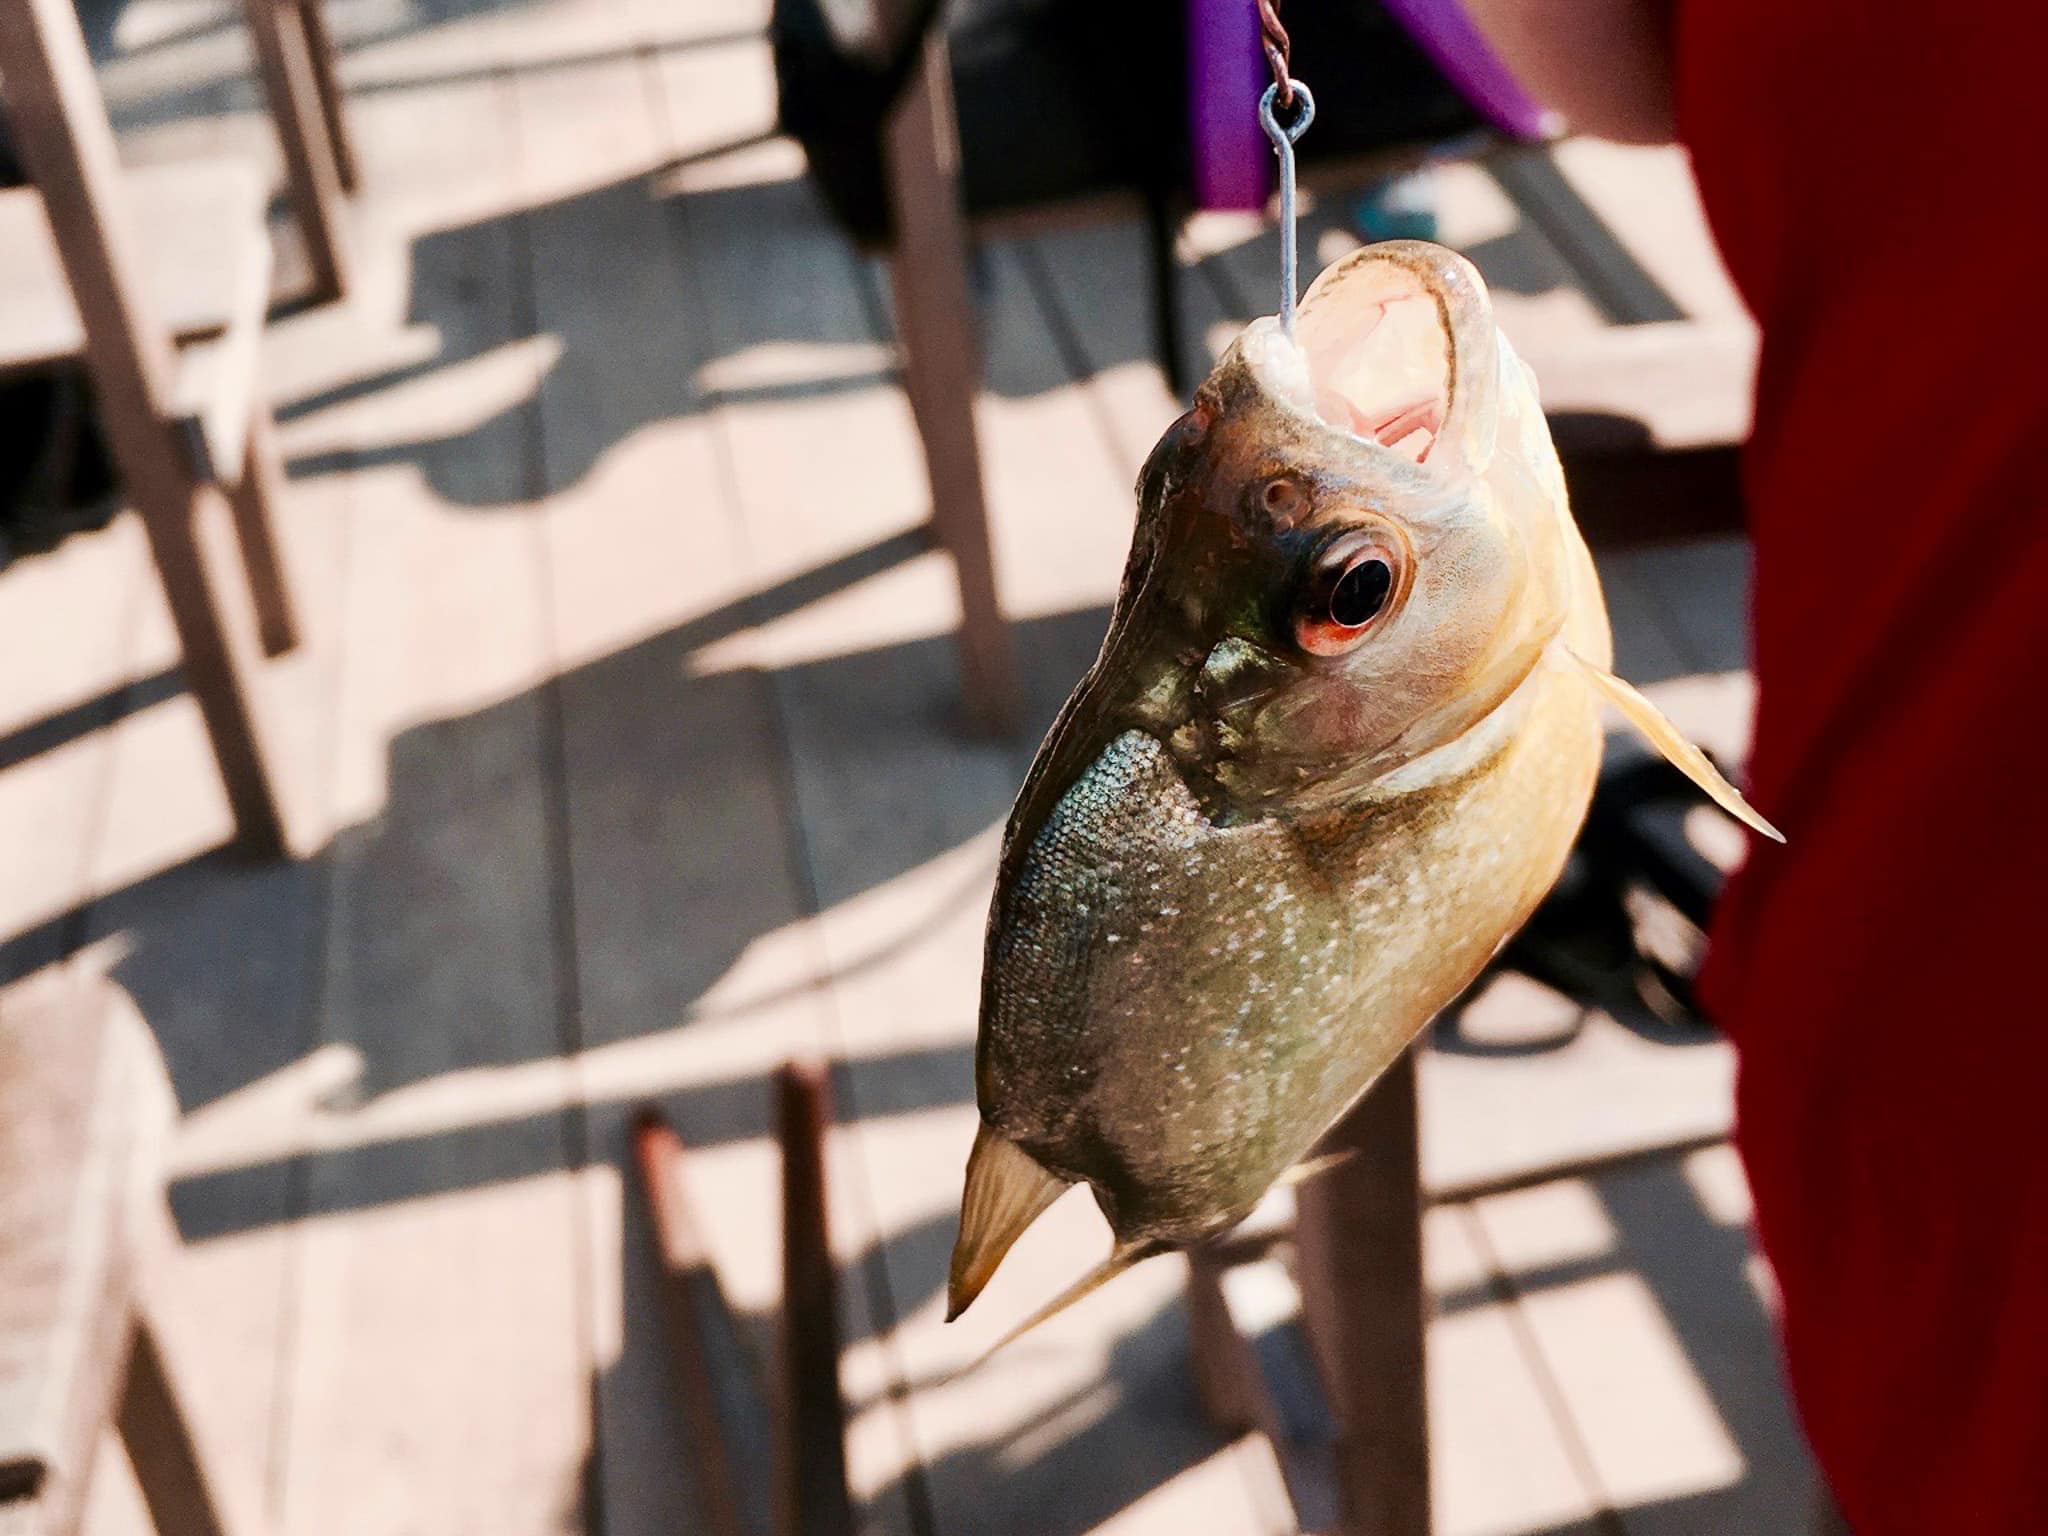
x=632 y=695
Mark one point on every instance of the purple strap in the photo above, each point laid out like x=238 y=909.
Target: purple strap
x=1444 y=32
x=1233 y=165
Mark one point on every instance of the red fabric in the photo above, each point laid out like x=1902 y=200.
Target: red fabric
x=1876 y=175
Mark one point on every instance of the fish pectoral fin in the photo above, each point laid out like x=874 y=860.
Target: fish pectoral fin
x=1650 y=723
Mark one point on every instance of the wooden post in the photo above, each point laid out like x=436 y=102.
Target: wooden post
x=1162 y=228
x=254 y=498
x=1359 y=1245
x=174 y=1472
x=1230 y=1402
x=60 y=127
x=291 y=84
x=942 y=371
x=721 y=1405
x=177 y=1465
x=813 y=1417
x=326 y=74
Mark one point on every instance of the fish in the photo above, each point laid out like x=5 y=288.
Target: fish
x=1336 y=746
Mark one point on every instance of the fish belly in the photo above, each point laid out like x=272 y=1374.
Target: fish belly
x=1177 y=1010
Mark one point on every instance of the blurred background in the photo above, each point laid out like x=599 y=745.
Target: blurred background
x=647 y=726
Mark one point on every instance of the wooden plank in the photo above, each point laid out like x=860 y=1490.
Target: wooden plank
x=442 y=1314
x=323 y=54
x=81 y=1143
x=1610 y=269
x=257 y=491
x=463 y=46
x=672 y=763
x=1704 y=587
x=162 y=903
x=1106 y=337
x=1681 y=385
x=1680 y=1421
x=1502 y=1455
x=812 y=1419
x=1702 y=1268
x=1644 y=195
x=63 y=135
x=189 y=1476
x=216 y=391
x=1574 y=1168
x=1606 y=1091
x=1646 y=650
x=942 y=371
x=291 y=84
x=1232 y=1394
x=65 y=1268
x=191 y=223
x=75 y=610
x=200 y=563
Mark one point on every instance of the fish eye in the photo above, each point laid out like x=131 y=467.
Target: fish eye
x=1361 y=592
x=1354 y=583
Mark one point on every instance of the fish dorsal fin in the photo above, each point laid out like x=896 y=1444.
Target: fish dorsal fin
x=1688 y=759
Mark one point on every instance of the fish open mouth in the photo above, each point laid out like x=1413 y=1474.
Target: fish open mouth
x=1376 y=352
x=1376 y=342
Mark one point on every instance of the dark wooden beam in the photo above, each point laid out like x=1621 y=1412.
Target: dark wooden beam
x=1359 y=1260
x=813 y=1416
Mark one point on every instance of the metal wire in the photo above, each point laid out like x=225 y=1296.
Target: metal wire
x=1283 y=145
x=1279 y=51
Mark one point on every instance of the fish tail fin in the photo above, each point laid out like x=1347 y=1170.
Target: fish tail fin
x=1667 y=739
x=1007 y=1190
x=1121 y=1258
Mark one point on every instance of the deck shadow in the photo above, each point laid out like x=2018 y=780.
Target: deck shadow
x=783 y=213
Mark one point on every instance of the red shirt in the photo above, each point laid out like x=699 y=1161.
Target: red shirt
x=1876 y=176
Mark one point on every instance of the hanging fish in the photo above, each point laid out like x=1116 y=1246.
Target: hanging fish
x=1335 y=749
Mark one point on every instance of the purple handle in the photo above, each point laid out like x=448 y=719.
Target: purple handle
x=1233 y=163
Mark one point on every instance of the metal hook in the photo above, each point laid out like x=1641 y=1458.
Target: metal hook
x=1283 y=145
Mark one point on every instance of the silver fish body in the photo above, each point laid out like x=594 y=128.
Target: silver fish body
x=1339 y=739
